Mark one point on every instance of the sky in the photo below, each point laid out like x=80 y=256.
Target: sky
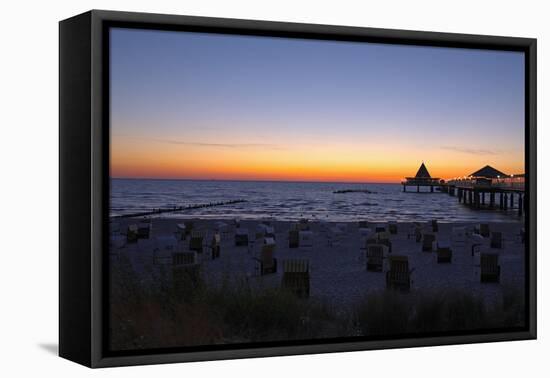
x=226 y=107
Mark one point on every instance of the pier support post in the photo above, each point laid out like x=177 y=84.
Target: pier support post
x=505 y=201
x=501 y=201
x=492 y=199
x=470 y=197
x=483 y=198
x=431 y=188
x=418 y=188
x=520 y=205
x=511 y=200
x=404 y=188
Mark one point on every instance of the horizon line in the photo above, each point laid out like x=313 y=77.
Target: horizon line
x=253 y=180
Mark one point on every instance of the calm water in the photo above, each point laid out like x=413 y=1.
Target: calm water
x=291 y=201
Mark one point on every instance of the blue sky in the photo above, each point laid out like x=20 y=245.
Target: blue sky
x=208 y=89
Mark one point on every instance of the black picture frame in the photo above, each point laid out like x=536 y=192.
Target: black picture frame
x=84 y=185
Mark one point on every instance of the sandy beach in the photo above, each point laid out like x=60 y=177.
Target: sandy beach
x=336 y=255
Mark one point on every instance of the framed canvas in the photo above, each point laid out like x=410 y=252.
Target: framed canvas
x=234 y=188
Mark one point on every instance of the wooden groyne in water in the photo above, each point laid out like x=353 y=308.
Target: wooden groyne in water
x=176 y=209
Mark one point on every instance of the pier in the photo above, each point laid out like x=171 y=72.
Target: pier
x=490 y=189
x=487 y=188
x=177 y=209
x=422 y=179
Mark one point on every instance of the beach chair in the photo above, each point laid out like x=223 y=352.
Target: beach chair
x=496 y=240
x=385 y=241
x=428 y=242
x=399 y=275
x=184 y=258
x=293 y=238
x=132 y=233
x=268 y=264
x=363 y=224
x=305 y=239
x=216 y=241
x=241 y=237
x=181 y=231
x=483 y=229
x=144 y=229
x=303 y=225
x=375 y=257
x=489 y=268
x=392 y=228
x=296 y=277
x=196 y=241
x=371 y=240
x=434 y=225
x=185 y=272
x=189 y=225
x=266 y=229
x=380 y=228
x=458 y=234
x=444 y=254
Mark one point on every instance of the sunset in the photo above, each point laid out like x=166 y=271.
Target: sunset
x=221 y=107
x=266 y=189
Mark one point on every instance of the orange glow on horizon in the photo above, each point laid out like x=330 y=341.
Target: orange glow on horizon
x=337 y=162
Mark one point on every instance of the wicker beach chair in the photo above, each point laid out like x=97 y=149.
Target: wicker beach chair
x=363 y=224
x=144 y=229
x=196 y=241
x=484 y=230
x=444 y=254
x=428 y=242
x=241 y=237
x=184 y=258
x=294 y=237
x=375 y=257
x=434 y=225
x=496 y=240
x=399 y=275
x=185 y=272
x=489 y=268
x=267 y=263
x=181 y=231
x=296 y=277
x=384 y=240
x=132 y=233
x=305 y=238
x=458 y=234
x=380 y=228
x=215 y=246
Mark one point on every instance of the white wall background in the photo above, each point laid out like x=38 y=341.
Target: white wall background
x=29 y=188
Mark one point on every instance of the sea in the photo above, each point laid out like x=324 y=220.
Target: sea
x=279 y=200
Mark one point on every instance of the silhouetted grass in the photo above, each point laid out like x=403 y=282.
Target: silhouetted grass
x=388 y=312
x=159 y=313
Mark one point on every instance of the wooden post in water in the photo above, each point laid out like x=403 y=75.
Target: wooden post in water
x=431 y=188
x=512 y=200
x=492 y=199
x=418 y=188
x=483 y=198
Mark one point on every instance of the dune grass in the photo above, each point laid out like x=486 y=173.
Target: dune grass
x=161 y=314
